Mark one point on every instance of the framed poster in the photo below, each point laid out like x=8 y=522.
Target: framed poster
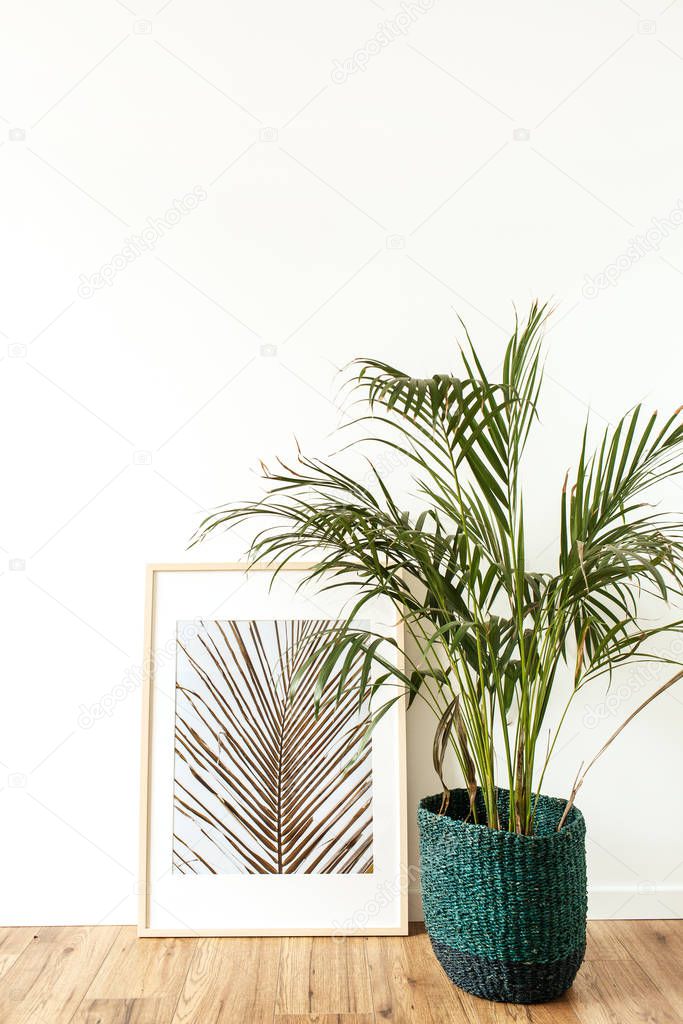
x=259 y=816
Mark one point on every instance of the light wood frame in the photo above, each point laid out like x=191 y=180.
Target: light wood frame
x=144 y=929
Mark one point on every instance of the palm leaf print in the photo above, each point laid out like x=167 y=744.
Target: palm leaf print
x=260 y=782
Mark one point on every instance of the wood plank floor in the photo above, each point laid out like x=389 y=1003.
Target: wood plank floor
x=633 y=974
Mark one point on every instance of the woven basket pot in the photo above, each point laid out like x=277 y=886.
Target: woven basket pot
x=506 y=914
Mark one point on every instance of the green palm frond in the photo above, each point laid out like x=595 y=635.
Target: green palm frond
x=487 y=631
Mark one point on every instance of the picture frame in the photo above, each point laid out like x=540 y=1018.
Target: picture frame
x=197 y=878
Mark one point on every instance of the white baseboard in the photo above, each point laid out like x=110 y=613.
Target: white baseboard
x=618 y=902
x=633 y=902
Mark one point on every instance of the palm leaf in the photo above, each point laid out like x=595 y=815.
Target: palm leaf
x=486 y=632
x=261 y=784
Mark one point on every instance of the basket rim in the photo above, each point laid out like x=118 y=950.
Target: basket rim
x=574 y=823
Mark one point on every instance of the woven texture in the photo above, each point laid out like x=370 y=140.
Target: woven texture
x=506 y=913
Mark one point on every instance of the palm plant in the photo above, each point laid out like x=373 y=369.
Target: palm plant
x=486 y=631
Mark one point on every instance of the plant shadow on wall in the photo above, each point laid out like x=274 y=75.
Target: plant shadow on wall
x=489 y=630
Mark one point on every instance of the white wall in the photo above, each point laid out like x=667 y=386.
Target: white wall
x=489 y=153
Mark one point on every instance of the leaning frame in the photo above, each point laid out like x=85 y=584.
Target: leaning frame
x=144 y=930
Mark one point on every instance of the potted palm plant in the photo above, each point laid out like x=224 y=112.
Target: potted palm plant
x=503 y=870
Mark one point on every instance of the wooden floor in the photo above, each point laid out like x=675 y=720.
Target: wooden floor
x=633 y=973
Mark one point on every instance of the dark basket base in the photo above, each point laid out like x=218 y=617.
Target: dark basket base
x=508 y=982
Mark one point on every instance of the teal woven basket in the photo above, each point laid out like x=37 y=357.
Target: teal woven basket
x=506 y=914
